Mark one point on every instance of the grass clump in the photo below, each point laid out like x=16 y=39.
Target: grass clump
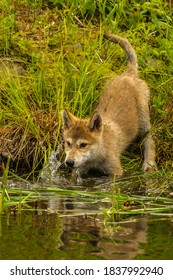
x=52 y=55
x=3 y=191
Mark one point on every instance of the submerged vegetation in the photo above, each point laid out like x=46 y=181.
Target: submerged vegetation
x=139 y=195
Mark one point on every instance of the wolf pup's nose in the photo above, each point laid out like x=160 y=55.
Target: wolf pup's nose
x=70 y=163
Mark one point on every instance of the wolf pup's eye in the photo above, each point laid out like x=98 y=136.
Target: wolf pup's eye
x=68 y=144
x=82 y=145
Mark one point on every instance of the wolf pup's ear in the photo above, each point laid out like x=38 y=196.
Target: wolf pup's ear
x=67 y=118
x=95 y=123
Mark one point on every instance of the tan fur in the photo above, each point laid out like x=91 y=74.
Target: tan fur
x=121 y=115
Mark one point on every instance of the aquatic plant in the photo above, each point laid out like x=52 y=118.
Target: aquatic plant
x=111 y=202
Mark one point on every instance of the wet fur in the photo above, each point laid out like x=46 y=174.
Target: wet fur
x=121 y=115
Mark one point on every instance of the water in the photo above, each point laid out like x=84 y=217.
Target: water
x=71 y=224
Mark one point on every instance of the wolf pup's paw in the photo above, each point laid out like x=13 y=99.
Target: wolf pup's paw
x=118 y=173
x=149 y=167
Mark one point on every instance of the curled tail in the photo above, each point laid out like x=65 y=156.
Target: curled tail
x=127 y=47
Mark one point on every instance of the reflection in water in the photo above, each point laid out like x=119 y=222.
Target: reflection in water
x=47 y=236
x=50 y=235
x=111 y=242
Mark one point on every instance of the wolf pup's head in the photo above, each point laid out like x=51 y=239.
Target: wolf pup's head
x=82 y=138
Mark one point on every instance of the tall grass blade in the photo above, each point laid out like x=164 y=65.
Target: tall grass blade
x=4 y=185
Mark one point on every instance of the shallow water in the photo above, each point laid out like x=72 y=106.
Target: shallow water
x=48 y=235
x=71 y=225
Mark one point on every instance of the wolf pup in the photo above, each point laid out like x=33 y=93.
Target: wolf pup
x=121 y=115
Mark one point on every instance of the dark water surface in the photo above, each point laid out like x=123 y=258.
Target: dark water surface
x=73 y=227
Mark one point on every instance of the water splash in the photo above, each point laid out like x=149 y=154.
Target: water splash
x=50 y=170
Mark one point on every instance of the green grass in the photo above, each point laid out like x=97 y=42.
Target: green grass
x=57 y=58
x=122 y=200
x=3 y=191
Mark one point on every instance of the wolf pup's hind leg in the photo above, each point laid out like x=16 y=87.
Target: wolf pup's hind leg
x=149 y=164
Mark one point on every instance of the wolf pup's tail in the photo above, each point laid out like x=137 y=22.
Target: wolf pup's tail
x=127 y=47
